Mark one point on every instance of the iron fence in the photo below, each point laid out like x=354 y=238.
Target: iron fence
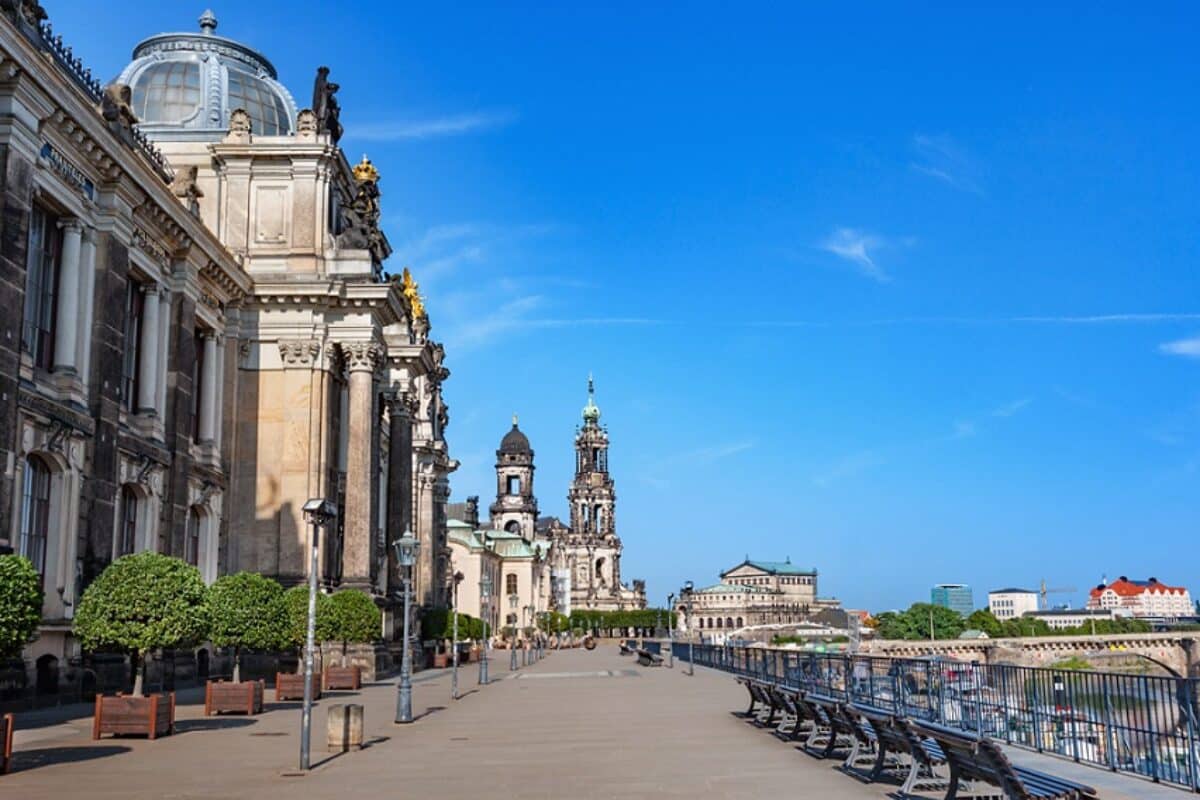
x=1139 y=724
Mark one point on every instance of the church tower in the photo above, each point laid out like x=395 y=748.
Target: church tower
x=592 y=496
x=515 y=509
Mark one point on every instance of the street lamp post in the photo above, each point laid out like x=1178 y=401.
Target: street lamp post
x=406 y=555
x=485 y=592
x=457 y=578
x=526 y=613
x=670 y=631
x=512 y=646
x=318 y=512
x=687 y=598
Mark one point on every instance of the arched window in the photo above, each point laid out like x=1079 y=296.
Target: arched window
x=729 y=622
x=510 y=583
x=191 y=544
x=513 y=526
x=127 y=525
x=718 y=622
x=35 y=513
x=739 y=622
x=700 y=622
x=710 y=623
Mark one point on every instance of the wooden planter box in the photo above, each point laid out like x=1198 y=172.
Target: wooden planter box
x=342 y=678
x=240 y=698
x=6 y=737
x=125 y=714
x=290 y=686
x=441 y=660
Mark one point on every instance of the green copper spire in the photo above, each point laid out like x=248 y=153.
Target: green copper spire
x=591 y=412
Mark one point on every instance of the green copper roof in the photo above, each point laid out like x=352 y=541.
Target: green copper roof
x=591 y=412
x=731 y=588
x=776 y=567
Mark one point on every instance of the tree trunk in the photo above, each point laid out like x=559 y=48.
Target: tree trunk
x=139 y=674
x=237 y=665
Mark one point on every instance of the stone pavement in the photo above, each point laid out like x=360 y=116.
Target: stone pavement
x=576 y=725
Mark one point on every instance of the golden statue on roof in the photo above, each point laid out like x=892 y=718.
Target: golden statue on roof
x=413 y=292
x=365 y=171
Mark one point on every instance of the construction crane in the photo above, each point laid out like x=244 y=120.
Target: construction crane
x=1044 y=591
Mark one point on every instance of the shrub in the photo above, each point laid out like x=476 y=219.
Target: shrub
x=141 y=603
x=20 y=604
x=354 y=617
x=295 y=600
x=247 y=610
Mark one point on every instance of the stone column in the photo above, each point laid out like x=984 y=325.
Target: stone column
x=164 y=347
x=66 y=334
x=148 y=352
x=399 y=490
x=208 y=389
x=362 y=359
x=87 y=301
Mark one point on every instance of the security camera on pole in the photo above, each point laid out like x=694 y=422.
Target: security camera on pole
x=318 y=512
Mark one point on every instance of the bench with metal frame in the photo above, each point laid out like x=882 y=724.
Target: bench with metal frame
x=978 y=758
x=898 y=739
x=830 y=732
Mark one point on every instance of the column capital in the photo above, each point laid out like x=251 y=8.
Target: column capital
x=299 y=352
x=362 y=356
x=150 y=289
x=71 y=225
x=400 y=404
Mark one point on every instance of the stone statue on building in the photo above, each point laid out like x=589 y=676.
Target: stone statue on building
x=183 y=186
x=325 y=105
x=117 y=109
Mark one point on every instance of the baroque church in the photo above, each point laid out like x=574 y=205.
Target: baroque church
x=545 y=564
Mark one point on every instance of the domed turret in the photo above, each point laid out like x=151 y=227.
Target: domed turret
x=591 y=412
x=185 y=86
x=515 y=442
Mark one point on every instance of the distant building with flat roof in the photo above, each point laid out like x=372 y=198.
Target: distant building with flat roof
x=1011 y=603
x=1060 y=618
x=954 y=596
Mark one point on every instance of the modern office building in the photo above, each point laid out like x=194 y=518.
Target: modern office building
x=1011 y=603
x=955 y=596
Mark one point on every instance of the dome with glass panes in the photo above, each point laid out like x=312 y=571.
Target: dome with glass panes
x=185 y=86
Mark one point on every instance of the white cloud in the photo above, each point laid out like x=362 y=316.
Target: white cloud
x=942 y=158
x=1013 y=408
x=450 y=125
x=1188 y=348
x=856 y=247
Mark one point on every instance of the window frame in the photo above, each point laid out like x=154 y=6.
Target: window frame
x=35 y=513
x=43 y=265
x=127 y=521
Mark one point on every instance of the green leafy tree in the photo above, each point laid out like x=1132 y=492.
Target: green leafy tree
x=984 y=620
x=247 y=611
x=355 y=618
x=295 y=600
x=141 y=603
x=1019 y=627
x=20 y=604
x=918 y=621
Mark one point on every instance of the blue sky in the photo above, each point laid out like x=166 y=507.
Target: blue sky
x=907 y=294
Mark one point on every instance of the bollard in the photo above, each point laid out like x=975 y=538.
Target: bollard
x=344 y=728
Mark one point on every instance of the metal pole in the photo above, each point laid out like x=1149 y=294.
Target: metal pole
x=691 y=643
x=454 y=644
x=309 y=636
x=483 y=676
x=670 y=632
x=404 y=698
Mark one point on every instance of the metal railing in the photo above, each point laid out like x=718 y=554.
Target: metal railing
x=1138 y=724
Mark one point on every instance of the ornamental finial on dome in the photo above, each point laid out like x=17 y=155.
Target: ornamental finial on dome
x=591 y=412
x=364 y=171
x=208 y=22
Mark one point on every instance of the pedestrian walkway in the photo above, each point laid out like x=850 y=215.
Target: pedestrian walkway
x=577 y=724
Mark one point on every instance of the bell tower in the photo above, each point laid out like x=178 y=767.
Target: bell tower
x=515 y=509
x=592 y=497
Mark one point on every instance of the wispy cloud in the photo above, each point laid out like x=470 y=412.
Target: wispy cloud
x=434 y=127
x=1188 y=348
x=847 y=467
x=1064 y=319
x=1013 y=408
x=858 y=248
x=942 y=158
x=655 y=474
x=964 y=429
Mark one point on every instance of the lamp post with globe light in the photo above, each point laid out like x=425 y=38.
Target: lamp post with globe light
x=687 y=600
x=457 y=578
x=406 y=548
x=670 y=632
x=512 y=646
x=318 y=512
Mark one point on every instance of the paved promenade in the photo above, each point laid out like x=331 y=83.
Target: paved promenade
x=576 y=725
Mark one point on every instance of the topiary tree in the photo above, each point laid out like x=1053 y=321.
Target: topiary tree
x=20 y=604
x=247 y=610
x=295 y=600
x=354 y=618
x=141 y=603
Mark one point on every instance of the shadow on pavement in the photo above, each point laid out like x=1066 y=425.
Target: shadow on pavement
x=212 y=724
x=49 y=756
x=431 y=710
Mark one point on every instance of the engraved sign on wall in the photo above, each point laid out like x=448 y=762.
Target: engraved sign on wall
x=68 y=171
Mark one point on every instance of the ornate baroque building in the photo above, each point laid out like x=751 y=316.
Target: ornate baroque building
x=545 y=565
x=201 y=334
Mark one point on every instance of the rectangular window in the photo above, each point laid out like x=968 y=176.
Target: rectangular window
x=41 y=287
x=35 y=513
x=197 y=377
x=131 y=364
x=127 y=530
x=510 y=583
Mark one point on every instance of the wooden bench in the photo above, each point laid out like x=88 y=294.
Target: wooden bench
x=7 y=723
x=899 y=740
x=980 y=759
x=648 y=659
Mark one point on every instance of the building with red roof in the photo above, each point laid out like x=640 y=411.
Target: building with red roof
x=1148 y=598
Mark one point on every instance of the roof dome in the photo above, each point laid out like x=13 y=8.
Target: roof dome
x=185 y=85
x=591 y=412
x=515 y=442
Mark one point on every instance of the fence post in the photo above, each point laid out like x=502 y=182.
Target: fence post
x=1188 y=702
x=1151 y=733
x=1110 y=744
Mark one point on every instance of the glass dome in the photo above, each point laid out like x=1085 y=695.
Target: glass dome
x=185 y=86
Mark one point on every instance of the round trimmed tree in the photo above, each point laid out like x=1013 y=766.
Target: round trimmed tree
x=295 y=601
x=20 y=604
x=246 y=611
x=355 y=618
x=141 y=603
